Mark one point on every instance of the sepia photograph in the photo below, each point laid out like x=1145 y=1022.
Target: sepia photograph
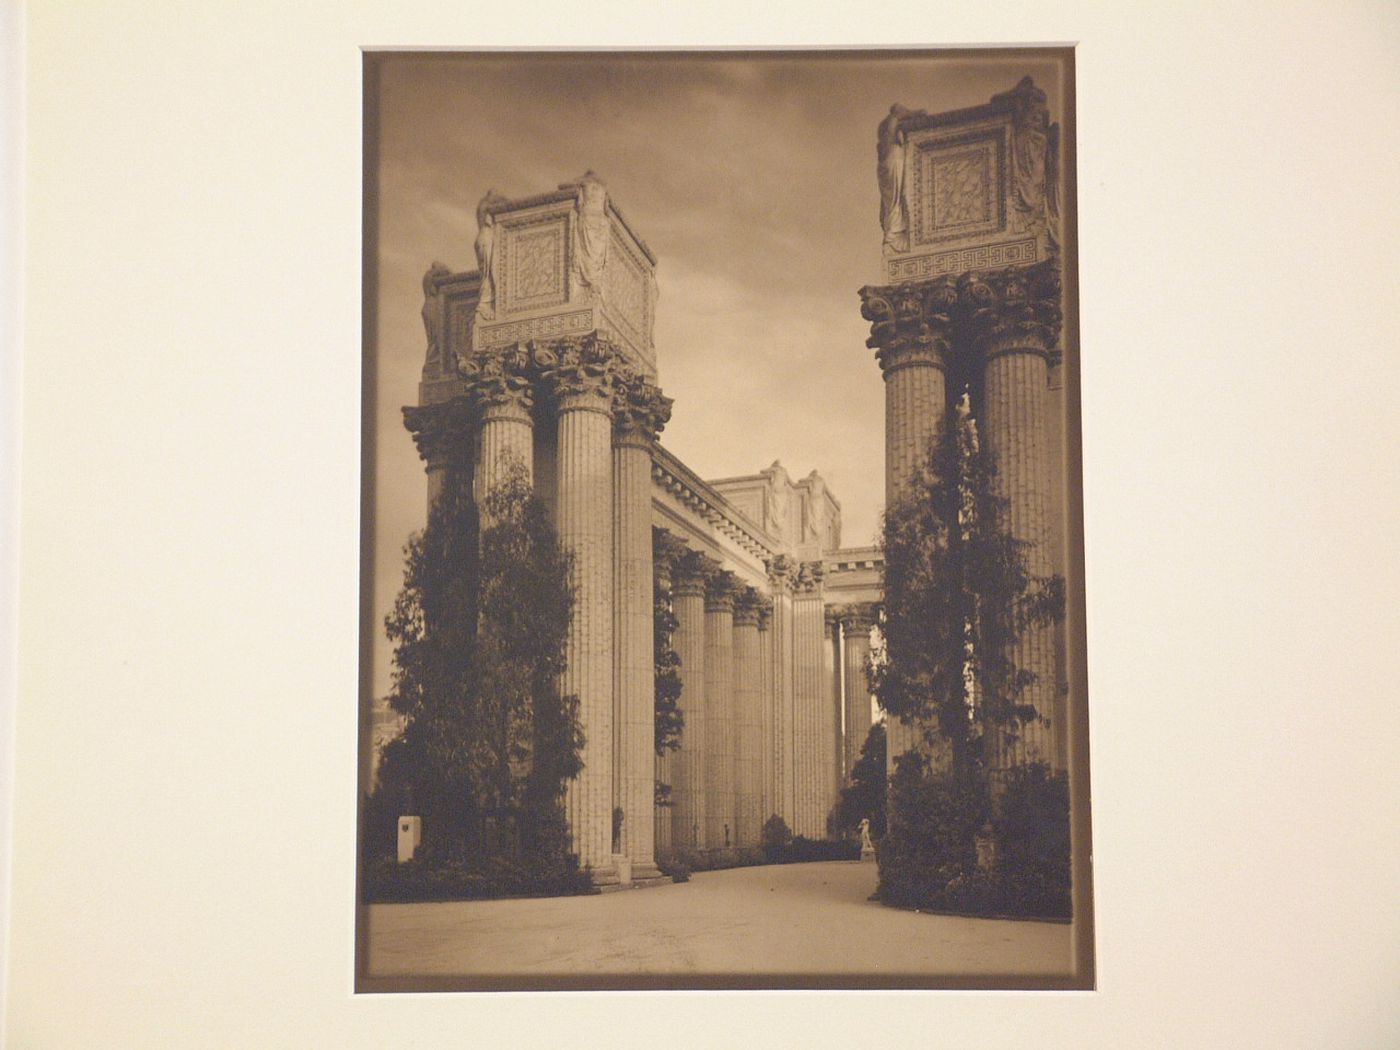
x=623 y=525
x=722 y=546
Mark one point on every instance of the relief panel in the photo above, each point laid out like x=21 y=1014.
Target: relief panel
x=534 y=263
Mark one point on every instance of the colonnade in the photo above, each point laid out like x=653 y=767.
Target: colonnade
x=762 y=718
x=761 y=660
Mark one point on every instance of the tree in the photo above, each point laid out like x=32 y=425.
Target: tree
x=958 y=597
x=864 y=797
x=479 y=631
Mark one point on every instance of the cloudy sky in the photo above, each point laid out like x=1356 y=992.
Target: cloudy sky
x=752 y=180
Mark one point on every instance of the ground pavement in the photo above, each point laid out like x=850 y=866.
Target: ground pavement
x=795 y=919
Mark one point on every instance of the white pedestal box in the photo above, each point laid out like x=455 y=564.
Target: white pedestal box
x=410 y=837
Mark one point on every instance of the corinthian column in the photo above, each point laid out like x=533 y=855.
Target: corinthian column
x=719 y=711
x=911 y=332
x=781 y=575
x=748 y=704
x=639 y=414
x=582 y=384
x=832 y=749
x=502 y=392
x=767 y=804
x=666 y=549
x=1014 y=331
x=809 y=632
x=856 y=621
x=688 y=762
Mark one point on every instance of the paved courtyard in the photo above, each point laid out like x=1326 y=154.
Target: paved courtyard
x=797 y=919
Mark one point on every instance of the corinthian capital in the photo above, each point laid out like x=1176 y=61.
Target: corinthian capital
x=640 y=410
x=910 y=324
x=666 y=551
x=1012 y=311
x=442 y=432
x=782 y=572
x=748 y=607
x=692 y=572
x=809 y=577
x=720 y=591
x=857 y=618
x=499 y=378
x=581 y=372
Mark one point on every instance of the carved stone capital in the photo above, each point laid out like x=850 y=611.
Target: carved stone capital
x=782 y=572
x=910 y=324
x=640 y=410
x=1012 y=311
x=765 y=613
x=720 y=591
x=499 y=380
x=692 y=572
x=748 y=607
x=857 y=618
x=443 y=433
x=581 y=372
x=666 y=550
x=809 y=577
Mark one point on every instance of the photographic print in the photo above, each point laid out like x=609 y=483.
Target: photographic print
x=722 y=549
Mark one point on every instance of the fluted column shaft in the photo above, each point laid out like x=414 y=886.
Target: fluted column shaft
x=784 y=696
x=719 y=714
x=506 y=437
x=809 y=631
x=915 y=399
x=748 y=703
x=585 y=509
x=1014 y=428
x=767 y=804
x=856 y=650
x=687 y=762
x=634 y=661
x=832 y=750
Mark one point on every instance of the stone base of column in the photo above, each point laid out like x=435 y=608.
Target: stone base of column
x=605 y=877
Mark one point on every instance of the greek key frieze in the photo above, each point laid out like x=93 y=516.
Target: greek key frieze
x=538 y=328
x=962 y=260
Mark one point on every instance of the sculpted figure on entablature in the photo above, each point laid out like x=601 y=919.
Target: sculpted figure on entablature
x=591 y=233
x=1034 y=162
x=432 y=310
x=486 y=254
x=889 y=170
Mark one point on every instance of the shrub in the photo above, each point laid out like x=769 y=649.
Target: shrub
x=931 y=839
x=386 y=881
x=1033 y=843
x=774 y=838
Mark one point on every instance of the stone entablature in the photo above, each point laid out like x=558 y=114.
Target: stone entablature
x=970 y=189
x=560 y=264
